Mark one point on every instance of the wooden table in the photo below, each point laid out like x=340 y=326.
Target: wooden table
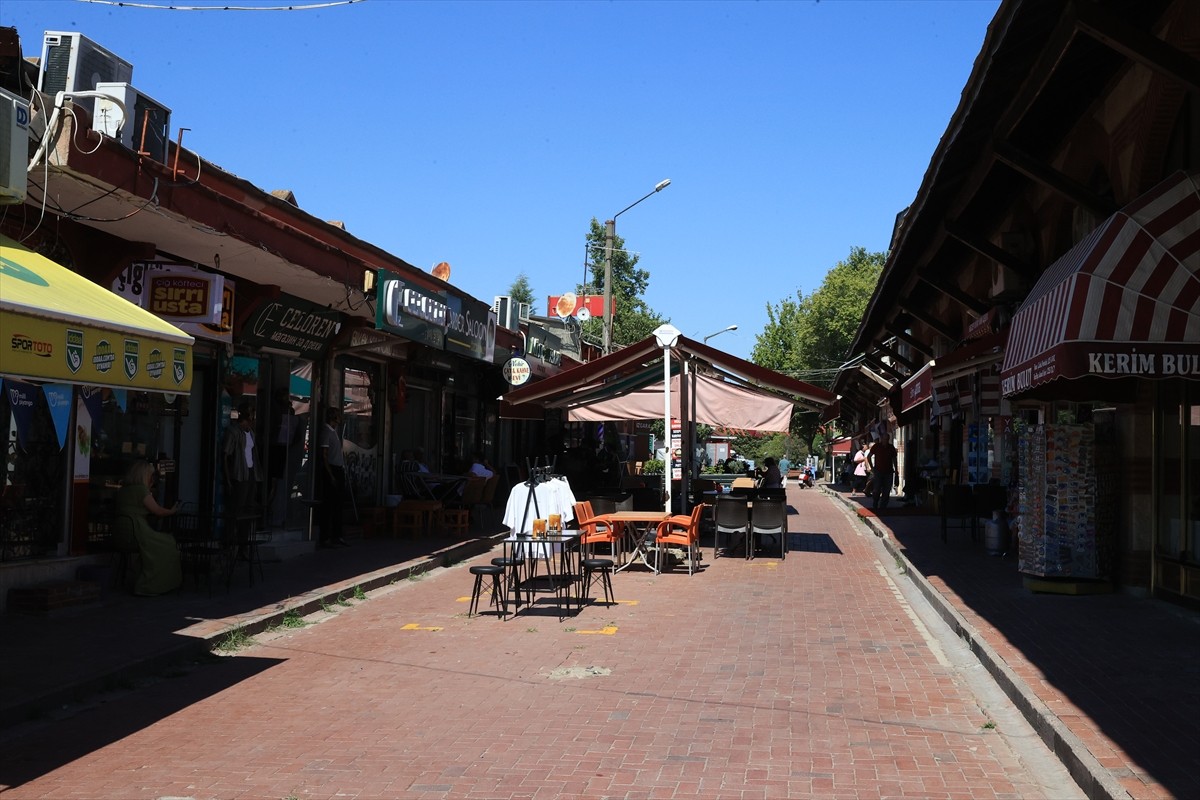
x=637 y=521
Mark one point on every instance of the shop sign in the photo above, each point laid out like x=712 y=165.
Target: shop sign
x=174 y=292
x=516 y=371
x=291 y=323
x=573 y=304
x=470 y=328
x=137 y=282
x=410 y=311
x=543 y=345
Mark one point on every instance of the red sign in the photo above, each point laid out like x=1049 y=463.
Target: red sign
x=594 y=303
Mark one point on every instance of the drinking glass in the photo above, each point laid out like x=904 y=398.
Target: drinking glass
x=539 y=527
x=555 y=522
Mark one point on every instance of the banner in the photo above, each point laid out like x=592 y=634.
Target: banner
x=21 y=398
x=58 y=400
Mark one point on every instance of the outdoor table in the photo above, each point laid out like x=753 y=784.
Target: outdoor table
x=557 y=552
x=442 y=487
x=641 y=523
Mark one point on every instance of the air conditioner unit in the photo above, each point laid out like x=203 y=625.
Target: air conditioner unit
x=71 y=62
x=148 y=127
x=14 y=148
x=522 y=312
x=502 y=304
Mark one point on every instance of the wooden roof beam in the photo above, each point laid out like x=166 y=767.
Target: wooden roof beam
x=894 y=354
x=905 y=336
x=1139 y=46
x=1051 y=178
x=926 y=319
x=957 y=295
x=990 y=251
x=883 y=367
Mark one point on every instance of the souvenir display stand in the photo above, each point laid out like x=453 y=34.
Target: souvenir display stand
x=1067 y=509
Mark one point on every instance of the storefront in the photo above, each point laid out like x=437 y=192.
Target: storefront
x=84 y=397
x=1102 y=365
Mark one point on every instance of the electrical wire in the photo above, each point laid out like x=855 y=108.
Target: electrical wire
x=158 y=7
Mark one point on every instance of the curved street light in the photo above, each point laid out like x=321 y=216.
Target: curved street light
x=610 y=233
x=718 y=333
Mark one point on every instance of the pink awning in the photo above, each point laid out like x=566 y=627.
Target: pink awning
x=717 y=402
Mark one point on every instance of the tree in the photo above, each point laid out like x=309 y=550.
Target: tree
x=521 y=291
x=633 y=320
x=809 y=337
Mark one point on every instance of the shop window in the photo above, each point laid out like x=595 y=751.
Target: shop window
x=31 y=521
x=361 y=440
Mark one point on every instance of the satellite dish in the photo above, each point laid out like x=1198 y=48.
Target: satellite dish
x=565 y=306
x=584 y=315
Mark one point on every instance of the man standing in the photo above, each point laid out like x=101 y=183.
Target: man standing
x=333 y=481
x=883 y=465
x=242 y=467
x=784 y=465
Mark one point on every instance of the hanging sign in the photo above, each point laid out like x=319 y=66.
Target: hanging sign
x=516 y=371
x=292 y=323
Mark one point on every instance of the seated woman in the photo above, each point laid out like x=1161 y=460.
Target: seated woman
x=158 y=554
x=772 y=478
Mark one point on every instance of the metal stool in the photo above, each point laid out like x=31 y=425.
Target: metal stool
x=598 y=569
x=512 y=568
x=498 y=598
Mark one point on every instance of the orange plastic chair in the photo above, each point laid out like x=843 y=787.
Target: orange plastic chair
x=681 y=531
x=596 y=530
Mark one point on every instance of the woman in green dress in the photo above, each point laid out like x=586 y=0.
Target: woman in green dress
x=158 y=554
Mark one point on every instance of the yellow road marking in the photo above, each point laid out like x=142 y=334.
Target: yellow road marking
x=627 y=602
x=412 y=626
x=608 y=630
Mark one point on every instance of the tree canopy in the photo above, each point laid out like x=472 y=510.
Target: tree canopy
x=521 y=291
x=809 y=337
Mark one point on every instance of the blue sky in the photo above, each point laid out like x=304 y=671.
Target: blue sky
x=489 y=134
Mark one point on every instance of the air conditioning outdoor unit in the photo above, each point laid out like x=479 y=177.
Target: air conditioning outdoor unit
x=71 y=62
x=509 y=314
x=148 y=126
x=14 y=148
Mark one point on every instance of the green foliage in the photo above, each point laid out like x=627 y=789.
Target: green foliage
x=633 y=320
x=521 y=291
x=809 y=337
x=652 y=467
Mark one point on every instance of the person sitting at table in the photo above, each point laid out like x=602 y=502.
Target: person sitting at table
x=772 y=478
x=480 y=468
x=158 y=555
x=412 y=464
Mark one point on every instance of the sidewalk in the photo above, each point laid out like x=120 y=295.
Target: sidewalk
x=52 y=661
x=1110 y=681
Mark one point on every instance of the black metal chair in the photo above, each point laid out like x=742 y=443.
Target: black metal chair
x=768 y=518
x=957 y=505
x=732 y=516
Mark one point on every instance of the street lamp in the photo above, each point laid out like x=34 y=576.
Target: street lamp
x=610 y=233
x=718 y=333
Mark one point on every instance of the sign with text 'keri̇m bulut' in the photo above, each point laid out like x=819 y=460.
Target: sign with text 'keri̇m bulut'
x=410 y=311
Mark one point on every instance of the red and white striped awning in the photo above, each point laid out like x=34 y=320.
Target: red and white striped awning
x=1125 y=301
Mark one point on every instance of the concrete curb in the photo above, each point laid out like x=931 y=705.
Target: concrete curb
x=203 y=638
x=1095 y=781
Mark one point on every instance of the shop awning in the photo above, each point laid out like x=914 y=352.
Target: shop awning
x=60 y=327
x=717 y=403
x=639 y=366
x=1123 y=302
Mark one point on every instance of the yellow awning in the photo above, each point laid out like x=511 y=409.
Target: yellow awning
x=59 y=326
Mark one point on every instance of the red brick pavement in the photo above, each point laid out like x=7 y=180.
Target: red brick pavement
x=798 y=678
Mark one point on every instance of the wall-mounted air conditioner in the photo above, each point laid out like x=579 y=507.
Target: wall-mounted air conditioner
x=71 y=62
x=148 y=126
x=14 y=147
x=509 y=314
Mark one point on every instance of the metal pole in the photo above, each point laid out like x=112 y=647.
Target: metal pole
x=610 y=232
x=667 y=429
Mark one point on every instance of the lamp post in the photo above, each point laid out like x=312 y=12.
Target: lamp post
x=610 y=233
x=667 y=336
x=718 y=333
